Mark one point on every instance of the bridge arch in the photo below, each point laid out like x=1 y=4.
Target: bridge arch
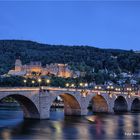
x=28 y=106
x=120 y=104
x=71 y=104
x=135 y=105
x=99 y=103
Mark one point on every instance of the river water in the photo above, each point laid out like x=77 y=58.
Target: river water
x=60 y=127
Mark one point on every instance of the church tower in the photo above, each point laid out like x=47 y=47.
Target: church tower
x=18 y=65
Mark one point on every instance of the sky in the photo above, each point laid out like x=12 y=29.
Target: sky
x=103 y=24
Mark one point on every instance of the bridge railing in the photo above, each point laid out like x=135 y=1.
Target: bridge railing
x=2 y=89
x=93 y=91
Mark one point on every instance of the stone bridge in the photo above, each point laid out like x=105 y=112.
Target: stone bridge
x=36 y=103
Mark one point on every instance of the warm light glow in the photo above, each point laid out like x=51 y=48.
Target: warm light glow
x=117 y=89
x=72 y=85
x=33 y=82
x=108 y=87
x=67 y=84
x=24 y=81
x=48 y=81
x=86 y=84
x=129 y=89
x=111 y=87
x=95 y=87
x=81 y=84
x=98 y=87
x=39 y=80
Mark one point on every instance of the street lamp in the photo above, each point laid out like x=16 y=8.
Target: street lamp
x=72 y=85
x=67 y=84
x=110 y=88
x=98 y=87
x=86 y=84
x=118 y=89
x=129 y=91
x=81 y=84
x=33 y=82
x=25 y=81
x=48 y=81
x=39 y=81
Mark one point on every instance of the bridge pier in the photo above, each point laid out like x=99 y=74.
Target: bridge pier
x=129 y=104
x=83 y=103
x=111 y=104
x=44 y=102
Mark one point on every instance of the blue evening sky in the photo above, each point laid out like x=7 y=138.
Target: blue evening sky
x=103 y=24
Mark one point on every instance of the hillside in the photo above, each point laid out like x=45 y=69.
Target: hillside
x=83 y=58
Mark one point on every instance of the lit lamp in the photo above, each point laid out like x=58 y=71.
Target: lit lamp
x=129 y=92
x=129 y=89
x=48 y=81
x=72 y=85
x=86 y=84
x=67 y=85
x=25 y=81
x=110 y=88
x=98 y=87
x=95 y=87
x=39 y=81
x=81 y=84
x=33 y=82
x=118 y=89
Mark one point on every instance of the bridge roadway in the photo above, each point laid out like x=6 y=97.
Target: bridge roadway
x=36 y=103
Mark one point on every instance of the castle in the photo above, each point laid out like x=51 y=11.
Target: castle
x=35 y=69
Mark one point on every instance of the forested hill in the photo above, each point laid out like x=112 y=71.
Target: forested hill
x=79 y=57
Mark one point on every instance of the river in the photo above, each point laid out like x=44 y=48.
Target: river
x=60 y=127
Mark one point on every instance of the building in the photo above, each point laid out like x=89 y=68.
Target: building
x=35 y=69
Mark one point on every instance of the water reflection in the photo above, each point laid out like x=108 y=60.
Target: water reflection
x=97 y=126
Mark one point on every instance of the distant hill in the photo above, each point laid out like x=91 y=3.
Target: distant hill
x=83 y=58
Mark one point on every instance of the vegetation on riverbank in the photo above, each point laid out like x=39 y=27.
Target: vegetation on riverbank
x=100 y=65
